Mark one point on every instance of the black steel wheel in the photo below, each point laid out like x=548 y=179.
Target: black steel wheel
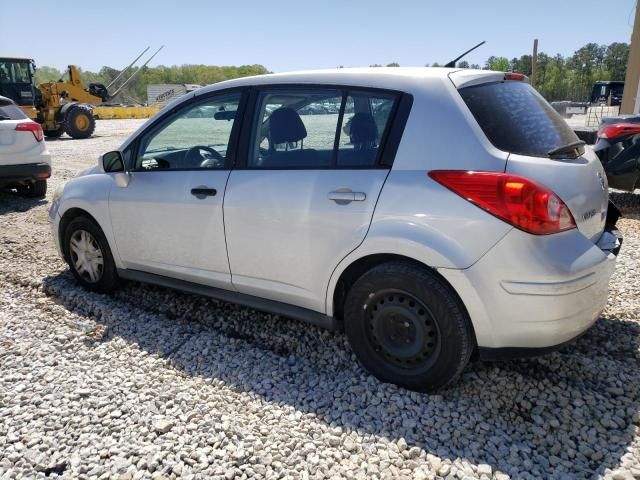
x=402 y=329
x=407 y=326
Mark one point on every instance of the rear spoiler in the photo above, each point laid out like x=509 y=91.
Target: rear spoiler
x=469 y=78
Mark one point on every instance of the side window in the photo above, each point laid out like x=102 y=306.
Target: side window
x=197 y=137
x=295 y=129
x=366 y=117
x=22 y=72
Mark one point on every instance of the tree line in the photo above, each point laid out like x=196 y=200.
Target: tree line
x=137 y=89
x=557 y=78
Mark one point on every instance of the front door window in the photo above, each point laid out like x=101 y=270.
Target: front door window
x=196 y=138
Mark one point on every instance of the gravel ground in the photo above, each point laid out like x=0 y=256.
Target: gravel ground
x=151 y=383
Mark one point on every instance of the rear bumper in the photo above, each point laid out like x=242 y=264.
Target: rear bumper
x=10 y=174
x=533 y=294
x=510 y=353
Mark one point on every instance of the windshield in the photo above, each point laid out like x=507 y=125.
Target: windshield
x=12 y=71
x=517 y=119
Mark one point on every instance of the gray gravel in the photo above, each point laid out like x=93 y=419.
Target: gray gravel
x=151 y=383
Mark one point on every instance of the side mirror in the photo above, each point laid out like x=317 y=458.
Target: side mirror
x=112 y=162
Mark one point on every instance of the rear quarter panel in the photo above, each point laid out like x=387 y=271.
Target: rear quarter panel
x=417 y=217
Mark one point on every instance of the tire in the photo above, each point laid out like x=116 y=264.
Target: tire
x=408 y=327
x=57 y=133
x=80 y=230
x=35 y=189
x=79 y=121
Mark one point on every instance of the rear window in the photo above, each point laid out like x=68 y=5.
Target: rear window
x=516 y=118
x=9 y=111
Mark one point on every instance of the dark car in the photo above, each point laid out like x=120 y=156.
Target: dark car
x=607 y=92
x=618 y=147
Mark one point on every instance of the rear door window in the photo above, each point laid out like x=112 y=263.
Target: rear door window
x=366 y=117
x=320 y=128
x=516 y=118
x=9 y=111
x=296 y=129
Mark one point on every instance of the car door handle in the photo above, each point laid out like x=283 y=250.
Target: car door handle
x=203 y=192
x=347 y=196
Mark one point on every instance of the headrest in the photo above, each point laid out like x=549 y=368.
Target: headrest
x=285 y=125
x=363 y=128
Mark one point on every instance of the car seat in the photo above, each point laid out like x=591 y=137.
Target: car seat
x=286 y=128
x=364 y=137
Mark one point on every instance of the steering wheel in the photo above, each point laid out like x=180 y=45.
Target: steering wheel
x=212 y=159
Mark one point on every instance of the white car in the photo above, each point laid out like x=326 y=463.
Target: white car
x=25 y=163
x=429 y=212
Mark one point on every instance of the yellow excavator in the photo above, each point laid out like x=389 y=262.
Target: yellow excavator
x=65 y=106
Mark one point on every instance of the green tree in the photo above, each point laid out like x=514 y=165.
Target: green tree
x=570 y=78
x=521 y=65
x=499 y=64
x=615 y=60
x=137 y=89
x=46 y=74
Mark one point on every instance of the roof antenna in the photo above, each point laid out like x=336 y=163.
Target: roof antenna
x=452 y=63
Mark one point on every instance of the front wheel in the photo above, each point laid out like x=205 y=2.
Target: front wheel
x=79 y=121
x=408 y=327
x=89 y=256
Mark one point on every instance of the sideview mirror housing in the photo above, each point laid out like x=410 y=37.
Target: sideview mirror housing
x=112 y=162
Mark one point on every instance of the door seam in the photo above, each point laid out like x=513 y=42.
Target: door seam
x=224 y=229
x=373 y=212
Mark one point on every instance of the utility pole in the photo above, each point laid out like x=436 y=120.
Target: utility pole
x=631 y=98
x=534 y=62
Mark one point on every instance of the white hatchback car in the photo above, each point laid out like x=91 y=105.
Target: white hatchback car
x=431 y=212
x=25 y=163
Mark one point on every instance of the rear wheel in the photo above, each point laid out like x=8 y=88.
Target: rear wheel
x=56 y=133
x=79 y=121
x=89 y=256
x=407 y=327
x=35 y=189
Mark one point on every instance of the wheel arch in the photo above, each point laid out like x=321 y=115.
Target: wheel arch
x=60 y=114
x=66 y=218
x=359 y=266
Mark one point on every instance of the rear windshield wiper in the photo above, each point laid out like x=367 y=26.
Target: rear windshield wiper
x=4 y=117
x=573 y=148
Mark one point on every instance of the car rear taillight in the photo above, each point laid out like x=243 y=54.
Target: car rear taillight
x=32 y=127
x=616 y=130
x=521 y=202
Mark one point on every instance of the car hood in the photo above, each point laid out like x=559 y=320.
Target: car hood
x=89 y=171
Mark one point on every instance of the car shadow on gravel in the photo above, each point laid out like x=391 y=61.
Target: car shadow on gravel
x=10 y=201
x=573 y=412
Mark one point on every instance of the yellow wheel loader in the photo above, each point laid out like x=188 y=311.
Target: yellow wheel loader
x=65 y=106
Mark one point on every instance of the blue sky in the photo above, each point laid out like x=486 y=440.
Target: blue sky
x=290 y=35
